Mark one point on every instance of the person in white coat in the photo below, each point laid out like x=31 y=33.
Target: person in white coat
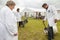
x=8 y=22
x=51 y=16
x=18 y=16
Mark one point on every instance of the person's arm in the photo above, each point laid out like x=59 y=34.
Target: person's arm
x=45 y=18
x=55 y=14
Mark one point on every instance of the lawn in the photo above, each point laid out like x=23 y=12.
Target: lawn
x=33 y=30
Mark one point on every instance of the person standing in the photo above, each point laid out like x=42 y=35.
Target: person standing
x=51 y=16
x=18 y=16
x=8 y=22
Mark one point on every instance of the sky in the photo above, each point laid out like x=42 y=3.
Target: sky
x=33 y=3
x=37 y=3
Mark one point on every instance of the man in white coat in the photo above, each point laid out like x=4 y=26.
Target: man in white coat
x=8 y=22
x=51 y=16
x=18 y=16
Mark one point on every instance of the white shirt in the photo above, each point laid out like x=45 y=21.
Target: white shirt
x=51 y=15
x=18 y=16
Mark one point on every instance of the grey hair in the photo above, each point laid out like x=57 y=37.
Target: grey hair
x=10 y=3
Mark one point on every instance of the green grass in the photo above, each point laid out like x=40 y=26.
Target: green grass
x=33 y=30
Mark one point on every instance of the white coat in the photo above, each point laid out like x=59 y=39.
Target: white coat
x=18 y=16
x=8 y=24
x=51 y=15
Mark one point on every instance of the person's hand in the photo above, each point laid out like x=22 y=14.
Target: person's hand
x=15 y=34
x=55 y=20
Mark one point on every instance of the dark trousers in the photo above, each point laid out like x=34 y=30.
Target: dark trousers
x=50 y=33
x=21 y=23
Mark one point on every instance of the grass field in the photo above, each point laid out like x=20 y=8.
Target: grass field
x=33 y=30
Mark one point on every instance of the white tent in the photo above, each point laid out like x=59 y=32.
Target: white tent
x=32 y=11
